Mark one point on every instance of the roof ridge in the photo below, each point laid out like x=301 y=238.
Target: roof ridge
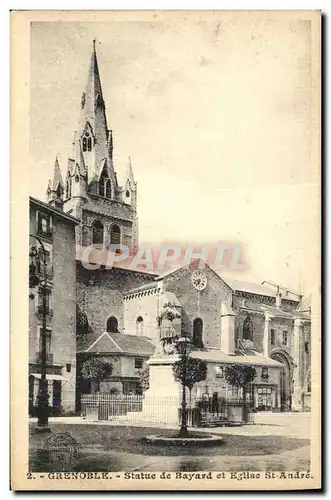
x=97 y=340
x=116 y=344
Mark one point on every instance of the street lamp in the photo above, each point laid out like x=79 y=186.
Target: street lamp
x=38 y=255
x=184 y=348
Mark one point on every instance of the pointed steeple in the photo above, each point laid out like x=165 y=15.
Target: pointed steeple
x=92 y=138
x=55 y=187
x=129 y=176
x=57 y=176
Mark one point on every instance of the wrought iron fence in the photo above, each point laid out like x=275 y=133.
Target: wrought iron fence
x=163 y=410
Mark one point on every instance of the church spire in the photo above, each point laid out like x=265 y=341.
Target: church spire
x=129 y=175
x=55 y=187
x=92 y=136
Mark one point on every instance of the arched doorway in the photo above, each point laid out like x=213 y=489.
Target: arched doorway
x=285 y=383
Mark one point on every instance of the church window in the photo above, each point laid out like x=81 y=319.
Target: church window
x=248 y=329
x=140 y=326
x=197 y=332
x=112 y=325
x=59 y=191
x=87 y=142
x=97 y=232
x=307 y=347
x=127 y=194
x=115 y=235
x=105 y=184
x=77 y=178
x=108 y=188
x=272 y=336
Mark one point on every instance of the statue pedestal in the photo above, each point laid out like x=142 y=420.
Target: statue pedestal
x=161 y=379
x=163 y=398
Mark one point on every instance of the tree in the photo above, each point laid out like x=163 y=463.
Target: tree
x=239 y=376
x=189 y=371
x=96 y=369
x=144 y=379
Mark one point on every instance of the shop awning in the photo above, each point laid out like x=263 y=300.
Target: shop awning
x=49 y=376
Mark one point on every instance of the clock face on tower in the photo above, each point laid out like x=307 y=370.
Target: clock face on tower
x=199 y=280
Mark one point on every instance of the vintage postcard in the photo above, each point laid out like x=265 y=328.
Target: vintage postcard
x=165 y=314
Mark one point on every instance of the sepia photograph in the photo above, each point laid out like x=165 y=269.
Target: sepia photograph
x=167 y=328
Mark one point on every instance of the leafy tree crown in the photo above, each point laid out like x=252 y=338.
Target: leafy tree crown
x=144 y=379
x=239 y=375
x=191 y=372
x=94 y=368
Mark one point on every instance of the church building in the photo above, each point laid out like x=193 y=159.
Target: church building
x=130 y=319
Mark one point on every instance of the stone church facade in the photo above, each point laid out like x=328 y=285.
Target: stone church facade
x=130 y=318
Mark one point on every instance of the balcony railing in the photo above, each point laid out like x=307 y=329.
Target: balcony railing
x=40 y=270
x=49 y=358
x=45 y=234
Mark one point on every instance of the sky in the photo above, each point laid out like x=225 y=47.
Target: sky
x=216 y=115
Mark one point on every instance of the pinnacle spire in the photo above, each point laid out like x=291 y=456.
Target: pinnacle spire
x=55 y=187
x=57 y=176
x=129 y=174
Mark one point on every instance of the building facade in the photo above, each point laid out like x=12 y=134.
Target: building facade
x=56 y=231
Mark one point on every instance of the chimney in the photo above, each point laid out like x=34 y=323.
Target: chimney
x=278 y=298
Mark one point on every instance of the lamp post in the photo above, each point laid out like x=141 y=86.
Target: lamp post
x=184 y=349
x=39 y=255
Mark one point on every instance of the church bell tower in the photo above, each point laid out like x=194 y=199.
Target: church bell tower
x=107 y=211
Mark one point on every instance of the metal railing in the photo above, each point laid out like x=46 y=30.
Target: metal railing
x=161 y=409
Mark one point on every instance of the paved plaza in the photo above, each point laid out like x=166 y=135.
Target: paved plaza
x=275 y=442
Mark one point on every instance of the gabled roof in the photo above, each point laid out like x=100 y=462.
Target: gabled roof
x=256 y=289
x=117 y=343
x=53 y=210
x=169 y=272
